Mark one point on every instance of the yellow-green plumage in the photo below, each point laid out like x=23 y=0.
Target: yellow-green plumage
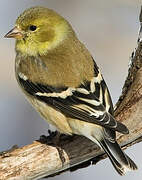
x=61 y=80
x=60 y=49
x=58 y=61
x=51 y=30
x=62 y=60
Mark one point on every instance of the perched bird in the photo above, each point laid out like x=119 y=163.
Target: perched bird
x=62 y=81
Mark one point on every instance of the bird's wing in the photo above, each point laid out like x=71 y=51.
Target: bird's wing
x=78 y=103
x=99 y=89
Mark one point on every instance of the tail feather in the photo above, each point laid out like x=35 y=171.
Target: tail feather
x=121 y=162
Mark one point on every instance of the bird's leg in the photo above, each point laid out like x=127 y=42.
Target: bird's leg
x=54 y=137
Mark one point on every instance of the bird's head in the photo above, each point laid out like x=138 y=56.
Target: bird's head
x=38 y=30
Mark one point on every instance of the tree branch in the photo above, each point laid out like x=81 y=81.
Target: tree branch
x=39 y=159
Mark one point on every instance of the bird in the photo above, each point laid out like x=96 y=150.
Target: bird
x=62 y=81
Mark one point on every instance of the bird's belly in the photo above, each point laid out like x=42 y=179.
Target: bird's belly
x=67 y=125
x=53 y=117
x=92 y=131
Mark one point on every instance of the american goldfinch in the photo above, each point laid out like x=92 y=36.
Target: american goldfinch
x=62 y=81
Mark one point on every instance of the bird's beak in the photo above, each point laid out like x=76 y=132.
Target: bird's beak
x=14 y=33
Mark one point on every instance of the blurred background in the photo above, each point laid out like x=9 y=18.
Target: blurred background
x=109 y=29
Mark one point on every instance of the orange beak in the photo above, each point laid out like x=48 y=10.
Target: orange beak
x=14 y=33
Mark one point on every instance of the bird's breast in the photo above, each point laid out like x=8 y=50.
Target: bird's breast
x=52 y=116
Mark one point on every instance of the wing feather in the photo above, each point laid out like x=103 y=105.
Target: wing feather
x=77 y=103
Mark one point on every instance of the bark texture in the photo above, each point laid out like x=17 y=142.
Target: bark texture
x=40 y=159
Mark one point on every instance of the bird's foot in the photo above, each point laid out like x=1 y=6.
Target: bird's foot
x=51 y=139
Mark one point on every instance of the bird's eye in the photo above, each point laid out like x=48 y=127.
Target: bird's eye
x=32 y=27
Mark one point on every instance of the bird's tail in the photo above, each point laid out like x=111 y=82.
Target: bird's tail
x=121 y=162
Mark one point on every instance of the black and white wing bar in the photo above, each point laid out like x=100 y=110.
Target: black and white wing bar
x=77 y=103
x=100 y=90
